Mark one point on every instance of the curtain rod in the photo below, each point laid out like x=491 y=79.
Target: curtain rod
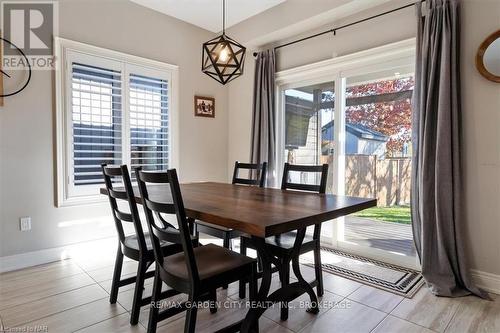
x=334 y=30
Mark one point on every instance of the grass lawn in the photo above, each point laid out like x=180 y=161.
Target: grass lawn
x=396 y=214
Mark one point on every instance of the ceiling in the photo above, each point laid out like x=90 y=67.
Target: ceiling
x=207 y=14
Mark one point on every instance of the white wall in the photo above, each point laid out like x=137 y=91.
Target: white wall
x=481 y=105
x=27 y=131
x=481 y=122
x=240 y=115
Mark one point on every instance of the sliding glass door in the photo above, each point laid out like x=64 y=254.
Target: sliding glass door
x=354 y=114
x=308 y=131
x=377 y=156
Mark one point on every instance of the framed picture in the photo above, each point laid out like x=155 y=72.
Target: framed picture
x=204 y=106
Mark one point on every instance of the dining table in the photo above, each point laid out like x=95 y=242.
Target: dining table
x=260 y=213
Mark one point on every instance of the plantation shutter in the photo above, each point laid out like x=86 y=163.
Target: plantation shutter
x=148 y=119
x=96 y=95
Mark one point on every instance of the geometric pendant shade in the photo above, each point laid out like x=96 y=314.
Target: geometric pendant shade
x=223 y=58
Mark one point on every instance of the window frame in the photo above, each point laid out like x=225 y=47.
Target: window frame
x=67 y=52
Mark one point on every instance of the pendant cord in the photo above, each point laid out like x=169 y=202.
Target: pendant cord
x=223 y=17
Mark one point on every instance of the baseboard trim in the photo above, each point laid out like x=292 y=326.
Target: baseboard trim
x=45 y=256
x=34 y=258
x=487 y=281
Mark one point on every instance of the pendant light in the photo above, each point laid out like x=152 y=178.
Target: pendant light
x=223 y=57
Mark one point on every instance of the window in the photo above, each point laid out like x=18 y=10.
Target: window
x=148 y=122
x=96 y=121
x=112 y=108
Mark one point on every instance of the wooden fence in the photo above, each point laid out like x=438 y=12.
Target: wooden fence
x=388 y=180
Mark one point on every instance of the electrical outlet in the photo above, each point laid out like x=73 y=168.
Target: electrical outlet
x=25 y=223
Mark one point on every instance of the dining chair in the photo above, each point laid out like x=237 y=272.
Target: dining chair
x=197 y=271
x=281 y=246
x=256 y=177
x=136 y=246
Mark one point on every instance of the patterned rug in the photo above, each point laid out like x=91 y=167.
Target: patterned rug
x=398 y=280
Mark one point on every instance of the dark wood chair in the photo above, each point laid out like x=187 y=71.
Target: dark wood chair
x=198 y=271
x=281 y=246
x=257 y=177
x=137 y=246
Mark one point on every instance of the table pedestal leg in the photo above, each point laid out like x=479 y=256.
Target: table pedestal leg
x=284 y=294
x=302 y=283
x=260 y=305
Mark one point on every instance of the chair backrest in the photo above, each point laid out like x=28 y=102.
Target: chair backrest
x=321 y=188
x=110 y=173
x=287 y=184
x=257 y=173
x=172 y=205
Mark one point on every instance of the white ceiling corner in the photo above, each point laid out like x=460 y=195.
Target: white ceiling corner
x=207 y=14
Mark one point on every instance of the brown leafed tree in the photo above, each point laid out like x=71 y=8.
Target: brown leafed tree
x=391 y=118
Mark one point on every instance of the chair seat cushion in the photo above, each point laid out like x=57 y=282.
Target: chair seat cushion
x=212 y=260
x=132 y=242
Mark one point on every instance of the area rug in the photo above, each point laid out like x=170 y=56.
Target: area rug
x=395 y=279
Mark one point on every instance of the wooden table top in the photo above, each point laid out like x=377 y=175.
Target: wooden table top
x=261 y=212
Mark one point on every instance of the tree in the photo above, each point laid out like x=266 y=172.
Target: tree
x=392 y=118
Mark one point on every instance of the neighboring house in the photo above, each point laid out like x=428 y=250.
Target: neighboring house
x=300 y=134
x=359 y=140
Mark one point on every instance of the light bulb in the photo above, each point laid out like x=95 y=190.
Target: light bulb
x=224 y=55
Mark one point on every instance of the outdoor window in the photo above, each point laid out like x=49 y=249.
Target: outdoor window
x=114 y=109
x=148 y=122
x=378 y=158
x=96 y=122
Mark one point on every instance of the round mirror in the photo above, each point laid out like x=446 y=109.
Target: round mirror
x=488 y=57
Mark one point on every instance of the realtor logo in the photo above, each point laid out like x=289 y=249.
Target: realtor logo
x=31 y=27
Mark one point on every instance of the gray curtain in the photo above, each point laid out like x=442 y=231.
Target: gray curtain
x=264 y=121
x=437 y=201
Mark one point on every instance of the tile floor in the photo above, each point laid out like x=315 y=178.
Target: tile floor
x=72 y=296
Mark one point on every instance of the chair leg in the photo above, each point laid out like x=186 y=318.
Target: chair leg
x=285 y=280
x=116 y=276
x=139 y=287
x=195 y=230
x=252 y=285
x=318 y=269
x=154 y=308
x=227 y=240
x=190 y=323
x=253 y=290
x=243 y=251
x=213 y=301
x=259 y=264
x=227 y=245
